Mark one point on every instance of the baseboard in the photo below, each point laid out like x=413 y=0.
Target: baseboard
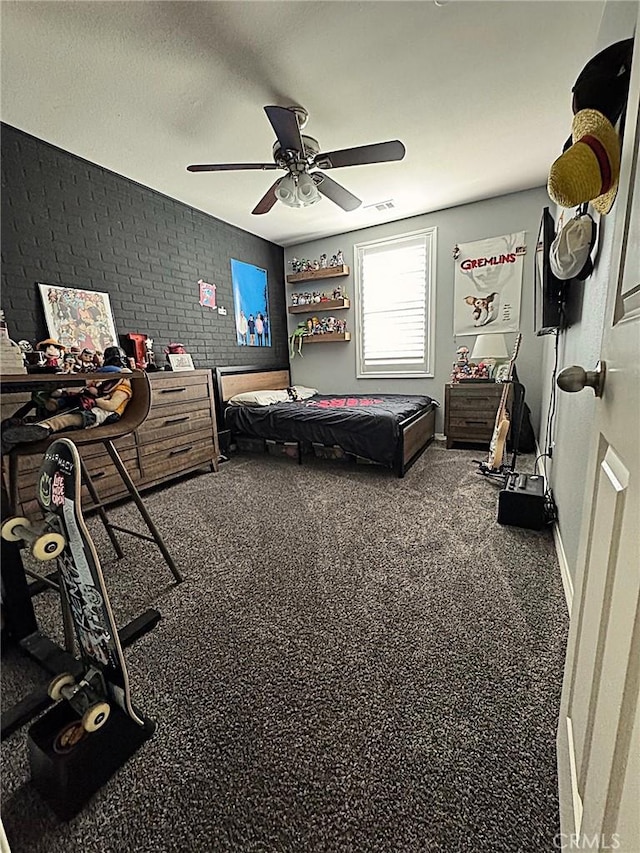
x=565 y=574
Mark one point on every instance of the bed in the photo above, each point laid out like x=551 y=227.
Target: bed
x=388 y=429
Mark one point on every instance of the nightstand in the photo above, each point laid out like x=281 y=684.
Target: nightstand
x=470 y=411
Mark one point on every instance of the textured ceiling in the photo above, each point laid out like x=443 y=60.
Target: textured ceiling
x=479 y=93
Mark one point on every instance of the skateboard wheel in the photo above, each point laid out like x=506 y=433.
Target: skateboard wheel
x=9 y=532
x=95 y=716
x=54 y=690
x=48 y=547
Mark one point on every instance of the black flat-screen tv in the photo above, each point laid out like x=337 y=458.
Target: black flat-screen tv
x=549 y=292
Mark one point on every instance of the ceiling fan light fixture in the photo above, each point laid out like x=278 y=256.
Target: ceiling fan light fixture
x=286 y=191
x=307 y=191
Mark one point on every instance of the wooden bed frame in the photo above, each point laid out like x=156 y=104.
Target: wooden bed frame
x=416 y=432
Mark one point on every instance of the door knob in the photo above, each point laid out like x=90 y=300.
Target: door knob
x=575 y=378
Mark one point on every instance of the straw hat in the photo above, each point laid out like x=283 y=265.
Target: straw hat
x=590 y=169
x=41 y=345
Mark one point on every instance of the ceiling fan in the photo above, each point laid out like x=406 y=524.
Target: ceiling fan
x=300 y=156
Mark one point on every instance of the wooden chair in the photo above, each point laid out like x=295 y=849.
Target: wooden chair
x=133 y=417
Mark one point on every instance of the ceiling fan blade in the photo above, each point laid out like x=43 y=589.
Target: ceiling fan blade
x=335 y=192
x=267 y=201
x=286 y=127
x=379 y=152
x=228 y=167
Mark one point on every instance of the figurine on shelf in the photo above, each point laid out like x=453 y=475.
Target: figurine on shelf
x=337 y=292
x=296 y=339
x=339 y=258
x=294 y=298
x=69 y=363
x=53 y=352
x=461 y=367
x=316 y=264
x=296 y=265
x=26 y=348
x=333 y=262
x=75 y=352
x=85 y=362
x=323 y=262
x=479 y=371
x=150 y=355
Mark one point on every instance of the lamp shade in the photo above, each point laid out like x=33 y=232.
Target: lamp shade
x=286 y=191
x=307 y=191
x=489 y=346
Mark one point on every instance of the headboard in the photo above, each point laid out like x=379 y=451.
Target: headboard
x=237 y=380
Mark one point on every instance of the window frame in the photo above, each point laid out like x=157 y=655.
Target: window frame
x=397 y=372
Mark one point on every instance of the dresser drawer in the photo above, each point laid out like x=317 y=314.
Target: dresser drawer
x=99 y=467
x=175 y=421
x=170 y=461
x=175 y=444
x=178 y=389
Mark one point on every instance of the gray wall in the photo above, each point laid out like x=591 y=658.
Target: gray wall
x=580 y=344
x=332 y=367
x=66 y=221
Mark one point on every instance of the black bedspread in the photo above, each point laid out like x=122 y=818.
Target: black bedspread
x=365 y=425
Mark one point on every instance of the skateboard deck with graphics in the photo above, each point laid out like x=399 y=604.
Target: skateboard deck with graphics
x=82 y=585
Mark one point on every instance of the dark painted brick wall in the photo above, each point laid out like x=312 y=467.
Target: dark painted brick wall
x=66 y=221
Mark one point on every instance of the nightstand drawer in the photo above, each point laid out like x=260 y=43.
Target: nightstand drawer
x=458 y=423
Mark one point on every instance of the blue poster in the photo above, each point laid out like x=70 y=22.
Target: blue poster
x=251 y=304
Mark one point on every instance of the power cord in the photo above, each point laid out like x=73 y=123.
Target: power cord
x=550 y=508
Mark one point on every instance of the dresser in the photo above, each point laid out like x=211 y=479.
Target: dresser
x=178 y=436
x=470 y=411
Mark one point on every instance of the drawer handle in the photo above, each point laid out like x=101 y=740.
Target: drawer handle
x=171 y=390
x=98 y=475
x=182 y=450
x=467 y=420
x=176 y=420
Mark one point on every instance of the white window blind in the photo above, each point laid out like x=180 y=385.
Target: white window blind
x=393 y=279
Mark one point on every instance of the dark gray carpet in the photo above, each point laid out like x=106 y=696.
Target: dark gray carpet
x=353 y=663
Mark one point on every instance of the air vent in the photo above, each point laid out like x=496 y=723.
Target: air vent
x=380 y=205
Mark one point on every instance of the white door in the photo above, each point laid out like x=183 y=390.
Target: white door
x=599 y=727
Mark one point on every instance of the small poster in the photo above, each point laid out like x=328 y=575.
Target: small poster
x=207 y=294
x=488 y=285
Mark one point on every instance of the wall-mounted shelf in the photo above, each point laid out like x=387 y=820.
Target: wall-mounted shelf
x=327 y=305
x=328 y=338
x=312 y=275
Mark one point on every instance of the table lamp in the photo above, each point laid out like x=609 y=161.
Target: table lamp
x=489 y=349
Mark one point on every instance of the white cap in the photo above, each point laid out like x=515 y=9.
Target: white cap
x=570 y=253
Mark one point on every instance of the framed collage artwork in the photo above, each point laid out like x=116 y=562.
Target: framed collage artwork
x=79 y=318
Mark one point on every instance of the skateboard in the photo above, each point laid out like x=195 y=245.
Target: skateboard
x=64 y=535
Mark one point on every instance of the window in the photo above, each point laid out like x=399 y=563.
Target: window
x=394 y=301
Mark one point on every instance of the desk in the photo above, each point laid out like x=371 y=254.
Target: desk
x=21 y=625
